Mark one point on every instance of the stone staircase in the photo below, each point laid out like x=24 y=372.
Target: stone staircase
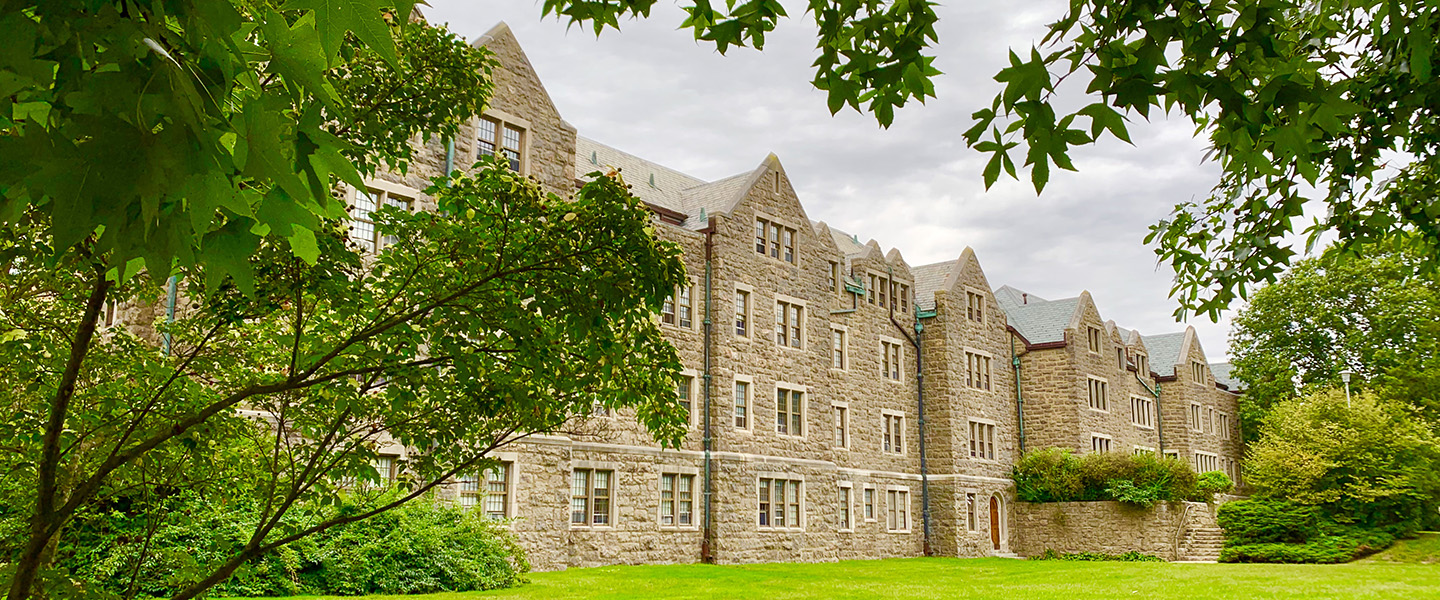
x=1200 y=544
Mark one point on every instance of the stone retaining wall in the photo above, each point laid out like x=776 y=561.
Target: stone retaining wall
x=1109 y=527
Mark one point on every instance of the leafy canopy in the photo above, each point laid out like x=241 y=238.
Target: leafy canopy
x=172 y=133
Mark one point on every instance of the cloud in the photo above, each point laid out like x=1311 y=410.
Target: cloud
x=653 y=91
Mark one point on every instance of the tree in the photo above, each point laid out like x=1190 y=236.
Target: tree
x=1367 y=461
x=504 y=312
x=1325 y=102
x=1376 y=315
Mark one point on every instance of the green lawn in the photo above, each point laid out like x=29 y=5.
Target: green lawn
x=1424 y=550
x=976 y=578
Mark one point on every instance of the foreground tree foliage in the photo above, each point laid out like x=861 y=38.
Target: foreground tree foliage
x=1367 y=462
x=1377 y=315
x=504 y=312
x=1325 y=101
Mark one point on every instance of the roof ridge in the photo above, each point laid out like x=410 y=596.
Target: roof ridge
x=649 y=163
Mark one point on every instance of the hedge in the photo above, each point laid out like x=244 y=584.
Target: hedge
x=1278 y=531
x=1057 y=475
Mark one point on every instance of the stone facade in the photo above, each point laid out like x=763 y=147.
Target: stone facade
x=1109 y=527
x=816 y=335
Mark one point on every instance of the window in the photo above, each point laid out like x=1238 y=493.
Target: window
x=682 y=391
x=742 y=313
x=834 y=276
x=898 y=517
x=590 y=497
x=1210 y=420
x=385 y=468
x=982 y=440
x=869 y=504
x=771 y=237
x=1206 y=462
x=1224 y=426
x=491 y=133
x=892 y=439
x=975 y=307
x=837 y=348
x=1197 y=371
x=789 y=323
x=970 y=511
x=1195 y=416
x=677 y=500
x=904 y=299
x=1094 y=339
x=789 y=411
x=1099 y=394
x=890 y=360
x=362 y=217
x=977 y=371
x=686 y=305
x=842 y=426
x=779 y=503
x=1099 y=443
x=870 y=291
x=111 y=314
x=884 y=287
x=1142 y=366
x=1120 y=358
x=1142 y=411
x=667 y=310
x=742 y=404
x=496 y=491
x=847 y=494
x=1143 y=451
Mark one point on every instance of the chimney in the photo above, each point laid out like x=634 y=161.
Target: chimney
x=1024 y=298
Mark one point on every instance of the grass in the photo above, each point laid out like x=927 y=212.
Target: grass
x=1422 y=550
x=975 y=578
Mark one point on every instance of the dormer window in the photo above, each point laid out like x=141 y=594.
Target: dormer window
x=1120 y=358
x=1197 y=371
x=1094 y=338
x=975 y=307
x=771 y=238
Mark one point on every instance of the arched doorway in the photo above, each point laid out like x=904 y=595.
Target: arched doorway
x=996 y=522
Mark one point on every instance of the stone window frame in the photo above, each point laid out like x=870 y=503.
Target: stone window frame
x=1197 y=372
x=1150 y=411
x=845 y=361
x=614 y=491
x=972 y=520
x=1142 y=364
x=1223 y=428
x=696 y=497
x=511 y=462
x=380 y=187
x=980 y=298
x=1104 y=387
x=887 y=417
x=804 y=306
x=847 y=500
x=1194 y=416
x=1096 y=444
x=777 y=244
x=788 y=477
x=971 y=371
x=749 y=382
x=977 y=448
x=836 y=280
x=1195 y=462
x=1122 y=359
x=1092 y=339
x=693 y=376
x=1138 y=450
x=867 y=504
x=502 y=119
x=804 y=408
x=1210 y=420
x=897 y=364
x=840 y=409
x=750 y=295
x=899 y=492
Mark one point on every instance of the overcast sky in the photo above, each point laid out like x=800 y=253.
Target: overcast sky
x=652 y=91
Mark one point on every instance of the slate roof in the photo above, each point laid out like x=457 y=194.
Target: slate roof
x=930 y=279
x=1009 y=296
x=848 y=244
x=1039 y=320
x=661 y=185
x=1221 y=371
x=1164 y=351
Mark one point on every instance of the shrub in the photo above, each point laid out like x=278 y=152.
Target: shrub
x=1324 y=549
x=1056 y=475
x=1249 y=522
x=1213 y=482
x=423 y=546
x=1131 y=556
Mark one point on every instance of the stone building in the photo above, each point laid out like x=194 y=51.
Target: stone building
x=854 y=400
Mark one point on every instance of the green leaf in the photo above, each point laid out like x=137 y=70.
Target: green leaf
x=303 y=244
x=296 y=54
x=362 y=17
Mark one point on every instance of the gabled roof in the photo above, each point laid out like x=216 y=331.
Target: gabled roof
x=1165 y=350
x=1045 y=322
x=930 y=279
x=1221 y=371
x=848 y=243
x=665 y=187
x=1009 y=296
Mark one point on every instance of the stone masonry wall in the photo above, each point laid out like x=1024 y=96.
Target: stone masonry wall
x=1108 y=527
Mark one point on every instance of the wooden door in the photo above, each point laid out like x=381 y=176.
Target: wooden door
x=995 y=522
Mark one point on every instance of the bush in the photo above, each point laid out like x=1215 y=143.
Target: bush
x=1131 y=556
x=423 y=546
x=1213 y=482
x=1056 y=475
x=1323 y=549
x=1248 y=522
